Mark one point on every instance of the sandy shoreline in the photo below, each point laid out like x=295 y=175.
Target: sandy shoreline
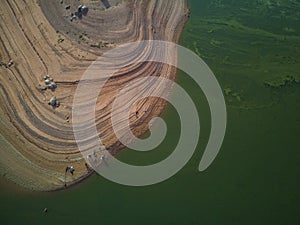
x=42 y=136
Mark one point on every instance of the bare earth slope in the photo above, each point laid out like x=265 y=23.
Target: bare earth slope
x=36 y=140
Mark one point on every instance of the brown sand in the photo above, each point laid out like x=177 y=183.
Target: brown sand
x=36 y=140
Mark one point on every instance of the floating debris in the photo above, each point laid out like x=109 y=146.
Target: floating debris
x=45 y=210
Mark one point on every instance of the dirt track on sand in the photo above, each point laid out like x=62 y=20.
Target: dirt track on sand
x=37 y=141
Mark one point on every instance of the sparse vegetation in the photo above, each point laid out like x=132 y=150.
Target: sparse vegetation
x=282 y=81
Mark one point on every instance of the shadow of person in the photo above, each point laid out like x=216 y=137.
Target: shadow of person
x=106 y=3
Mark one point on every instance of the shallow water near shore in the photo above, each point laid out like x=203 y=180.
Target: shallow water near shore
x=253 y=49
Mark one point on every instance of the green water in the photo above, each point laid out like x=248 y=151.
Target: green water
x=253 y=47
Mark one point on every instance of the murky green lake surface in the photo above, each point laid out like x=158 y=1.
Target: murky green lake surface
x=253 y=47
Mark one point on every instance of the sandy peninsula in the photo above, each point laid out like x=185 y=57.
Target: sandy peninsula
x=45 y=47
